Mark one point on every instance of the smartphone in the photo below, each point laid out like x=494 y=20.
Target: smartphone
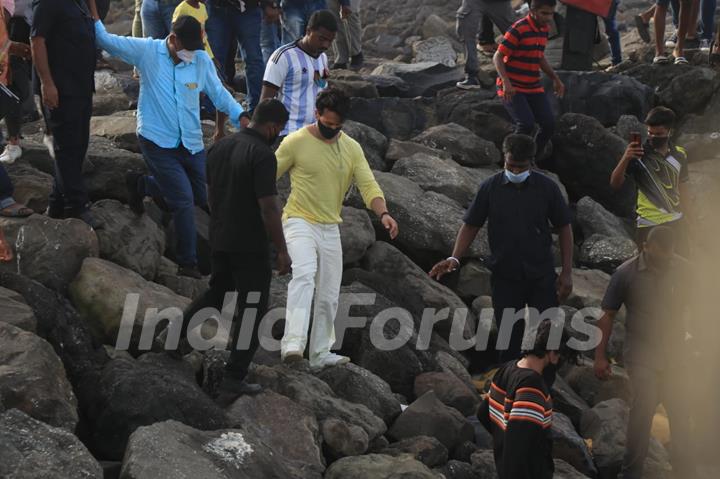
x=635 y=137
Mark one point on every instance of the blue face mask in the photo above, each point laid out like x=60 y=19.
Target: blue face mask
x=517 y=178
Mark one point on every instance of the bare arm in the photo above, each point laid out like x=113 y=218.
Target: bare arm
x=617 y=178
x=466 y=235
x=42 y=66
x=268 y=91
x=379 y=207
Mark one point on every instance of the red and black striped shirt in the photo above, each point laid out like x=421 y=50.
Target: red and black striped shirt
x=523 y=47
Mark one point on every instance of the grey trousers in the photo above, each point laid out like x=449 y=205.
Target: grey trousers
x=348 y=41
x=468 y=21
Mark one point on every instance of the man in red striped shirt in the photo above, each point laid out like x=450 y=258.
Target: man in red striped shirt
x=518 y=61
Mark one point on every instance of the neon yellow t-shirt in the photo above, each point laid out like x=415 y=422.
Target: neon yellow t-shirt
x=200 y=14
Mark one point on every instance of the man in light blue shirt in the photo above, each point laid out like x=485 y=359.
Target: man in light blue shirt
x=173 y=73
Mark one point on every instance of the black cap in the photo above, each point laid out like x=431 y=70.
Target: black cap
x=189 y=31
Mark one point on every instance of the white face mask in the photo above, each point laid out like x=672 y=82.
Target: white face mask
x=186 y=56
x=517 y=178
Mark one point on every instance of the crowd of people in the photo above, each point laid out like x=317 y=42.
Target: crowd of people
x=182 y=52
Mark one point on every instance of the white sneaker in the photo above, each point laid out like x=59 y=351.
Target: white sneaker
x=11 y=154
x=50 y=145
x=327 y=360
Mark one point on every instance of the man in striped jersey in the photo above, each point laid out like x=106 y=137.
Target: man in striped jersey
x=519 y=60
x=518 y=408
x=298 y=72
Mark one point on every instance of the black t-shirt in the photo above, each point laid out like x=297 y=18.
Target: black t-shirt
x=240 y=169
x=519 y=221
x=69 y=33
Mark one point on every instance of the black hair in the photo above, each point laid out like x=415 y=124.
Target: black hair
x=546 y=331
x=661 y=116
x=662 y=236
x=323 y=19
x=334 y=100
x=270 y=110
x=520 y=147
x=535 y=4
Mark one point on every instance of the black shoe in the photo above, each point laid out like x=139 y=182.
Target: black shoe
x=339 y=66
x=90 y=220
x=135 y=199
x=469 y=83
x=190 y=272
x=357 y=60
x=239 y=386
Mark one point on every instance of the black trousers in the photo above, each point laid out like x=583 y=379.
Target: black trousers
x=70 y=127
x=514 y=295
x=244 y=273
x=20 y=85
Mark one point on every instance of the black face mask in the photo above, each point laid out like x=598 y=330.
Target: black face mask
x=327 y=132
x=658 y=142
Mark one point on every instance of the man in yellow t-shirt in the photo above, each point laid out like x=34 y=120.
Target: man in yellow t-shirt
x=322 y=162
x=197 y=10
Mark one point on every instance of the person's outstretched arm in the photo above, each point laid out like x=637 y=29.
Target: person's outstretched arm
x=128 y=49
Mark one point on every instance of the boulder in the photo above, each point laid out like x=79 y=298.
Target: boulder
x=397 y=150
x=400 y=118
x=563 y=470
x=360 y=386
x=33 y=380
x=356 y=88
x=450 y=390
x=456 y=470
x=342 y=439
x=181 y=285
x=569 y=446
x=288 y=428
x=356 y=234
x=316 y=395
x=100 y=292
x=121 y=130
x=131 y=241
x=435 y=50
x=47 y=250
x=436 y=26
x=463 y=145
x=567 y=402
x=32 y=187
x=15 y=311
x=427 y=450
x=33 y=449
x=480 y=111
x=374 y=143
x=701 y=146
x=474 y=280
x=428 y=416
x=594 y=219
x=628 y=124
x=378 y=466
x=606 y=253
x=589 y=287
x=425 y=79
x=389 y=86
x=581 y=378
x=134 y=393
x=586 y=154
x=483 y=464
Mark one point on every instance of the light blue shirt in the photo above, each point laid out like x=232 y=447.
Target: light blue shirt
x=169 y=105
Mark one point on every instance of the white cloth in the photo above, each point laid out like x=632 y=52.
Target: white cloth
x=300 y=78
x=317 y=265
x=23 y=8
x=9 y=5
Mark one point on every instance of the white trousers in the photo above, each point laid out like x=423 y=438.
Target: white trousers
x=317 y=265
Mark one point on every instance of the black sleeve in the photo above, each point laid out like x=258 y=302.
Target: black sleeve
x=264 y=171
x=45 y=15
x=617 y=290
x=559 y=210
x=477 y=214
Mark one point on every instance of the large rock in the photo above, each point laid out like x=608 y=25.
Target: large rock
x=480 y=111
x=569 y=446
x=358 y=385
x=15 y=311
x=435 y=50
x=342 y=439
x=589 y=287
x=172 y=449
x=32 y=379
x=288 y=428
x=567 y=401
x=606 y=253
x=120 y=129
x=378 y=466
x=100 y=291
x=425 y=79
x=47 y=250
x=133 y=393
x=563 y=470
x=474 y=280
x=428 y=416
x=483 y=464
x=456 y=470
x=463 y=145
x=586 y=154
x=130 y=241
x=356 y=234
x=167 y=275
x=400 y=118
x=32 y=449
x=316 y=395
x=592 y=390
x=32 y=187
x=374 y=143
x=594 y=219
x=397 y=150
x=450 y=390
x=427 y=450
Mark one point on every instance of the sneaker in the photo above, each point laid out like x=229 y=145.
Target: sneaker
x=327 y=360
x=672 y=41
x=339 y=66
x=704 y=45
x=135 y=199
x=189 y=272
x=357 y=60
x=50 y=145
x=469 y=83
x=11 y=154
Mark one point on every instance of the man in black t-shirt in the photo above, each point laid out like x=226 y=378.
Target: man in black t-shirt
x=63 y=50
x=244 y=208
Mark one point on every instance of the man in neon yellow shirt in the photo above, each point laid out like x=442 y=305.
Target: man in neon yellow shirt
x=322 y=162
x=197 y=10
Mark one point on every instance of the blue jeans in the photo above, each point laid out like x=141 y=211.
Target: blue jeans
x=6 y=189
x=295 y=17
x=269 y=39
x=179 y=179
x=529 y=109
x=157 y=16
x=613 y=33
x=228 y=24
x=708 y=18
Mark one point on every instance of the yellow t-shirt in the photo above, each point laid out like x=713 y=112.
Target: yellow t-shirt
x=320 y=175
x=200 y=14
